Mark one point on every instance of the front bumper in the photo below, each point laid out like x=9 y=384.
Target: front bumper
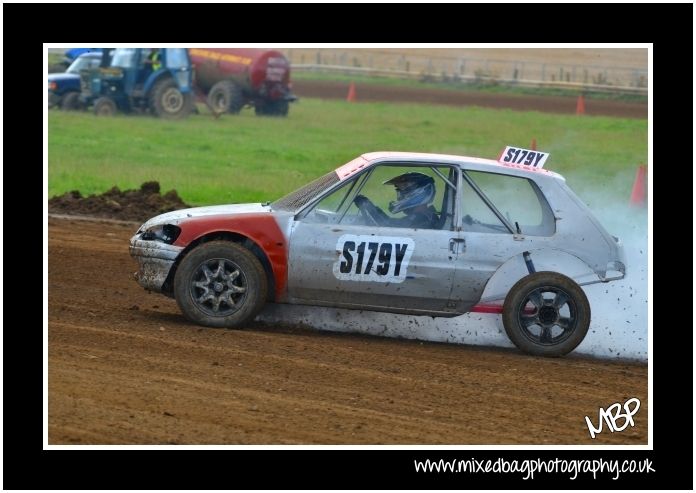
x=155 y=260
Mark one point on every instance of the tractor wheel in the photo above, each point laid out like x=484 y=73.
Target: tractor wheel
x=71 y=102
x=546 y=314
x=168 y=101
x=272 y=108
x=220 y=284
x=105 y=106
x=226 y=97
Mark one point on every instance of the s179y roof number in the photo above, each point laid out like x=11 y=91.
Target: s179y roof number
x=517 y=155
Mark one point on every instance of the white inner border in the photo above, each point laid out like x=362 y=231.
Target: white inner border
x=651 y=404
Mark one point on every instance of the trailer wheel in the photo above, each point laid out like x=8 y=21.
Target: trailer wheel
x=104 y=106
x=167 y=100
x=546 y=314
x=220 y=284
x=71 y=102
x=273 y=108
x=226 y=97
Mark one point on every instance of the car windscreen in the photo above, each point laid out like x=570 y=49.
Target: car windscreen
x=295 y=200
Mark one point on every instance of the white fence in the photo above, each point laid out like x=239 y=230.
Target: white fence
x=473 y=70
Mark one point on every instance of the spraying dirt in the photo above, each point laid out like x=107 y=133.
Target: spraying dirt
x=128 y=205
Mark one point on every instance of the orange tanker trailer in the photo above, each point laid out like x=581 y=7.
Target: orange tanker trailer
x=236 y=77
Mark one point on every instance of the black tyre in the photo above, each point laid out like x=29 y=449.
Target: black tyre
x=71 y=102
x=272 y=108
x=105 y=107
x=220 y=284
x=226 y=97
x=167 y=101
x=546 y=314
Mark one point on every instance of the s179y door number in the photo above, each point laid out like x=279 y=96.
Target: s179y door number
x=372 y=258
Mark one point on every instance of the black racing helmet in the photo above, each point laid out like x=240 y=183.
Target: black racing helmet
x=412 y=189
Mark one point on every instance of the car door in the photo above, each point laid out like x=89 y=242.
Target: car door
x=492 y=208
x=338 y=259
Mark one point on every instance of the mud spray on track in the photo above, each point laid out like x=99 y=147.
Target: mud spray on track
x=126 y=367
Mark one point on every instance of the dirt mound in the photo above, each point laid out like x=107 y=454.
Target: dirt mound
x=127 y=205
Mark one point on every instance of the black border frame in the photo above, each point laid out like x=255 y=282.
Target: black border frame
x=282 y=23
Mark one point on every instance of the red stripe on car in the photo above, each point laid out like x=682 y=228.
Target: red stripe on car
x=261 y=228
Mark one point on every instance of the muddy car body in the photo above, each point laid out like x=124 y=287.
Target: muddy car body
x=316 y=246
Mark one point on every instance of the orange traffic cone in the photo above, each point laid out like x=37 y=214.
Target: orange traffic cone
x=351 y=93
x=638 y=192
x=580 y=107
x=533 y=146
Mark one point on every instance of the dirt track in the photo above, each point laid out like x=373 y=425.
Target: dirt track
x=125 y=367
x=548 y=104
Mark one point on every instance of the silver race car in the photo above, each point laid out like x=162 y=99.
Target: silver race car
x=419 y=234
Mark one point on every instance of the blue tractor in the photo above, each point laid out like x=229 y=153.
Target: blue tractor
x=157 y=81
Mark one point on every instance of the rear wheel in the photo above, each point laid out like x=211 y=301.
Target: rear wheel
x=104 y=107
x=546 y=314
x=226 y=97
x=71 y=102
x=220 y=284
x=167 y=100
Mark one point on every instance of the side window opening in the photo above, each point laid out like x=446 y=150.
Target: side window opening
x=420 y=197
x=518 y=200
x=477 y=217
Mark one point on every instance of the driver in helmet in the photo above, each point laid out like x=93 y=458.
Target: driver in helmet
x=414 y=193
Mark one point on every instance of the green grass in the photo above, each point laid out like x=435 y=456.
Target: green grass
x=56 y=63
x=245 y=158
x=54 y=58
x=487 y=87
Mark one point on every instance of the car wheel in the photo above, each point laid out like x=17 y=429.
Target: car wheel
x=70 y=102
x=546 y=314
x=220 y=284
x=104 y=107
x=226 y=97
